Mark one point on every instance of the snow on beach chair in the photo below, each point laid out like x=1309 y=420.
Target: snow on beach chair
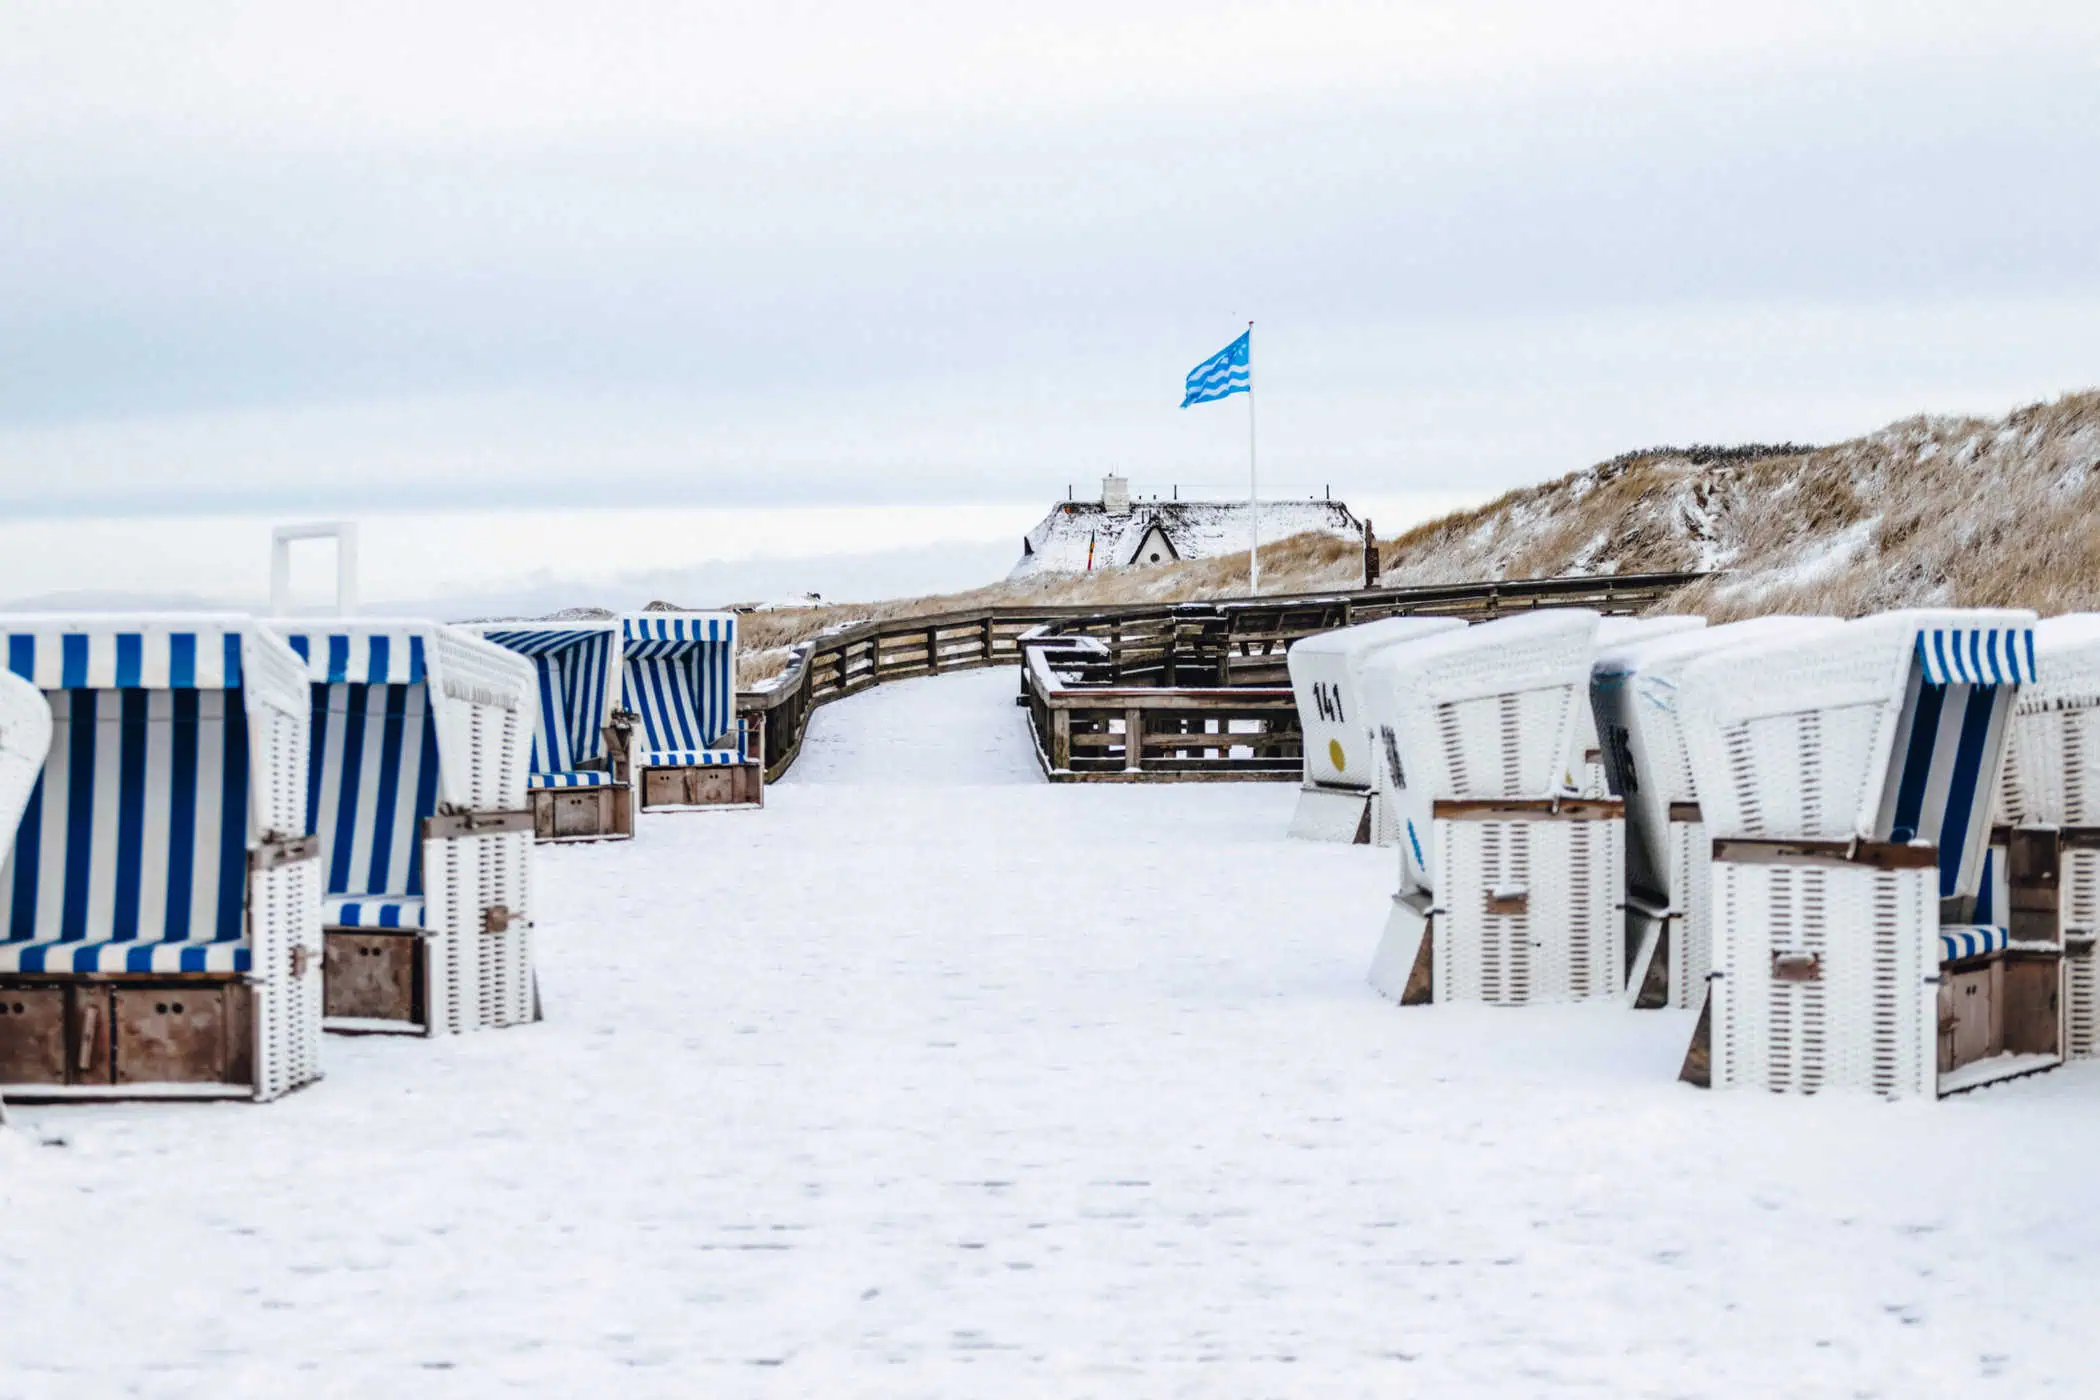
x=1341 y=795
x=1586 y=768
x=1509 y=886
x=161 y=905
x=2043 y=880
x=581 y=786
x=679 y=675
x=25 y=740
x=1846 y=778
x=1633 y=697
x=421 y=742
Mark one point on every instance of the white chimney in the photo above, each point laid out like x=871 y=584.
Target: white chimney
x=1115 y=495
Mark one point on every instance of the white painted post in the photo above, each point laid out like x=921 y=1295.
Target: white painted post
x=344 y=533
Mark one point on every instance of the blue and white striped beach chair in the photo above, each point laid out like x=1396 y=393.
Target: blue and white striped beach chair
x=161 y=905
x=679 y=675
x=421 y=745
x=581 y=785
x=1847 y=779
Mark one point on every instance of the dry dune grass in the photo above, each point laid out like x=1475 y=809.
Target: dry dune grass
x=1953 y=511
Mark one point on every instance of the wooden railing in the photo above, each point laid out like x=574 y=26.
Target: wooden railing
x=1200 y=691
x=869 y=654
x=1189 y=671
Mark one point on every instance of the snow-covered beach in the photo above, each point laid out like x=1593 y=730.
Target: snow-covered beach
x=933 y=1079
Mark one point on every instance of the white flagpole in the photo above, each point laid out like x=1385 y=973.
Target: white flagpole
x=1253 y=481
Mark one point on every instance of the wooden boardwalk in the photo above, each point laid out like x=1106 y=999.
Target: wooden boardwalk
x=1203 y=685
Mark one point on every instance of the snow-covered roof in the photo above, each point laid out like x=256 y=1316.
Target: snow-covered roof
x=2067 y=664
x=1192 y=529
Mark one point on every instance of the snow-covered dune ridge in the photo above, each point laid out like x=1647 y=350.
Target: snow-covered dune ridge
x=1933 y=510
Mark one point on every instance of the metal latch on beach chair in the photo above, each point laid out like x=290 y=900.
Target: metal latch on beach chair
x=447 y=826
x=1797 y=967
x=275 y=850
x=1508 y=899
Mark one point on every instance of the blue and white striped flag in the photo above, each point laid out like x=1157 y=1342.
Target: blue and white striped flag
x=1224 y=373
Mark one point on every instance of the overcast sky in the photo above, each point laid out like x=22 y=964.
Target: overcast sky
x=342 y=258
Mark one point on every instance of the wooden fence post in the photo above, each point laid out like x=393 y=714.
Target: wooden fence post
x=1133 y=740
x=1060 y=739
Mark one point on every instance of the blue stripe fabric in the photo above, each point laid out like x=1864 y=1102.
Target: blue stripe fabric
x=360 y=658
x=1977 y=655
x=1918 y=762
x=94 y=659
x=575 y=700
x=1958 y=941
x=1964 y=784
x=373 y=775
x=1960 y=697
x=586 y=778
x=680 y=677
x=104 y=956
x=133 y=851
x=372 y=781
x=340 y=911
x=1228 y=372
x=693 y=758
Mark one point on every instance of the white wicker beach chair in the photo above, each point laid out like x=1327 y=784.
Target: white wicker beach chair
x=1339 y=797
x=1509 y=886
x=1586 y=769
x=1633 y=699
x=581 y=785
x=1846 y=778
x=161 y=904
x=421 y=748
x=680 y=677
x=2044 y=878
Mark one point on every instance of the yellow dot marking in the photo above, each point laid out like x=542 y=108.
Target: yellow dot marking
x=1334 y=753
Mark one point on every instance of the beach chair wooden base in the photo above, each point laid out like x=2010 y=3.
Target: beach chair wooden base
x=583 y=814
x=726 y=785
x=2000 y=1017
x=114 y=1037
x=376 y=982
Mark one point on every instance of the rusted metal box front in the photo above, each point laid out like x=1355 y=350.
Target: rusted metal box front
x=32 y=1035
x=373 y=975
x=688 y=787
x=184 y=1033
x=566 y=813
